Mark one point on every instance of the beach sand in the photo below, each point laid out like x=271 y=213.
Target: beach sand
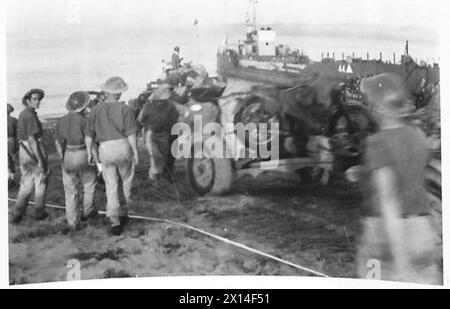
x=311 y=226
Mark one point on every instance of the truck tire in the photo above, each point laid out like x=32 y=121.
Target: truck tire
x=253 y=112
x=338 y=130
x=210 y=175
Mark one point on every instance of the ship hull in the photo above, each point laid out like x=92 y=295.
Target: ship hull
x=229 y=66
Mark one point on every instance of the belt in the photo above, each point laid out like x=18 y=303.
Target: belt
x=112 y=141
x=424 y=214
x=71 y=148
x=409 y=216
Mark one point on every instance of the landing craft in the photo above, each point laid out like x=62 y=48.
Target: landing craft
x=258 y=58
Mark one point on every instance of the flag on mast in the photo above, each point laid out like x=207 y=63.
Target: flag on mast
x=197 y=27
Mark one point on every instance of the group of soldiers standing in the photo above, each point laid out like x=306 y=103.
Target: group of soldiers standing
x=84 y=139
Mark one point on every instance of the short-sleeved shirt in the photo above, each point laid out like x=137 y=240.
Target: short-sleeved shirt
x=159 y=116
x=111 y=121
x=28 y=125
x=72 y=129
x=403 y=150
x=12 y=127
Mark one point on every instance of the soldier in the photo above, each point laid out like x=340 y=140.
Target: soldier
x=113 y=125
x=397 y=230
x=12 y=146
x=176 y=59
x=70 y=141
x=32 y=158
x=157 y=117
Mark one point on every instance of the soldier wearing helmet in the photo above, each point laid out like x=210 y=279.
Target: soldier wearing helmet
x=70 y=140
x=396 y=228
x=157 y=117
x=112 y=124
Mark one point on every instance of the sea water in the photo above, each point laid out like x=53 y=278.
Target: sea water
x=62 y=65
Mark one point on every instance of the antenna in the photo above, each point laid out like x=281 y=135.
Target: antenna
x=254 y=2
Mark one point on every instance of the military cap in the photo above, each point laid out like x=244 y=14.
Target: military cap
x=28 y=95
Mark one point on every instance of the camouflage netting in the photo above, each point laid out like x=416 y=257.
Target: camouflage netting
x=308 y=102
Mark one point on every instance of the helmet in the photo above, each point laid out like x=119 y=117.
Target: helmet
x=387 y=93
x=77 y=101
x=114 y=85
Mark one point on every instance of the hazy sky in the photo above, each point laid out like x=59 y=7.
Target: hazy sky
x=27 y=14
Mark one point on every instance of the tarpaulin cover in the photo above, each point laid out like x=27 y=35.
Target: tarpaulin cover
x=307 y=102
x=207 y=93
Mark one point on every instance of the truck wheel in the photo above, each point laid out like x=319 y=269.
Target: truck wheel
x=347 y=146
x=359 y=116
x=253 y=112
x=210 y=175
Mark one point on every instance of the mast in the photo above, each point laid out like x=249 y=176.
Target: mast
x=254 y=3
x=251 y=23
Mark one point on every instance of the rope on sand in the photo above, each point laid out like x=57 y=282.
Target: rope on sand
x=222 y=239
